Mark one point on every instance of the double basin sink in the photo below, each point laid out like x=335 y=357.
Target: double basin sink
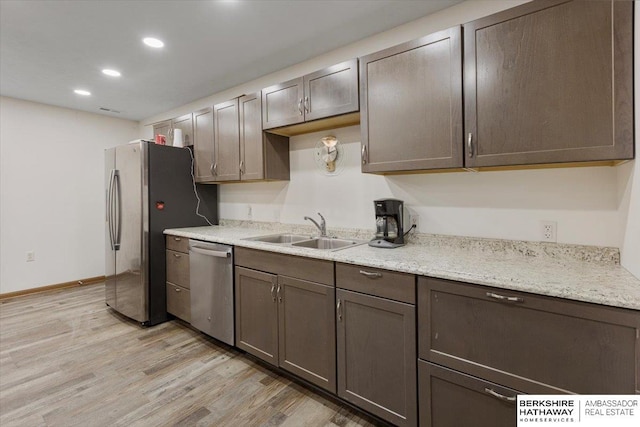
x=301 y=241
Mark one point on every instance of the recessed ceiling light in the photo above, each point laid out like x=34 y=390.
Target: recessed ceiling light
x=82 y=92
x=150 y=41
x=112 y=73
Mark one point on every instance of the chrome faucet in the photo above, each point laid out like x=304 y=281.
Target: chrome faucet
x=322 y=226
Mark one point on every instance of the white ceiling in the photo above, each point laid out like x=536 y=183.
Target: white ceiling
x=49 y=48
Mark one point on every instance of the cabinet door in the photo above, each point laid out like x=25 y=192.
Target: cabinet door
x=203 y=146
x=331 y=91
x=178 y=268
x=226 y=131
x=451 y=399
x=307 y=331
x=163 y=128
x=282 y=104
x=377 y=356
x=536 y=344
x=251 y=142
x=185 y=124
x=257 y=314
x=548 y=82
x=178 y=301
x=411 y=105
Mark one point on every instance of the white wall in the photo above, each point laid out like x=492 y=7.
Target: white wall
x=51 y=192
x=505 y=204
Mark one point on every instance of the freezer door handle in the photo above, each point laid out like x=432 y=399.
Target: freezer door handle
x=109 y=212
x=117 y=209
x=209 y=252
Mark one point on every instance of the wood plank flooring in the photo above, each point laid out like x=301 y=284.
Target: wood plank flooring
x=66 y=359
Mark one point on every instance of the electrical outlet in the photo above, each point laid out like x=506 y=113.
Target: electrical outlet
x=549 y=231
x=414 y=219
x=31 y=256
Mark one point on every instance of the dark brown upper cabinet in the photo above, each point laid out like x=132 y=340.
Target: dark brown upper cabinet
x=549 y=82
x=226 y=141
x=332 y=91
x=411 y=105
x=185 y=124
x=231 y=146
x=262 y=155
x=203 y=147
x=163 y=128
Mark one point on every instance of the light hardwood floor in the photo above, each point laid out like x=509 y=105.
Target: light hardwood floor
x=66 y=359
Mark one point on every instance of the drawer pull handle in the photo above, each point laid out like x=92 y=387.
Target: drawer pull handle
x=177 y=255
x=370 y=274
x=177 y=239
x=177 y=289
x=503 y=298
x=510 y=399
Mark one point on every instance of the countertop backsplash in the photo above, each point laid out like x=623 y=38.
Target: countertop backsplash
x=540 y=250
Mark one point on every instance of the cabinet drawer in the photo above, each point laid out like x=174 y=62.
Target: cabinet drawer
x=178 y=268
x=178 y=244
x=314 y=270
x=531 y=343
x=179 y=302
x=374 y=281
x=450 y=398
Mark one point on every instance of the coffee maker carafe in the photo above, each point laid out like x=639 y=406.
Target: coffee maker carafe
x=389 y=226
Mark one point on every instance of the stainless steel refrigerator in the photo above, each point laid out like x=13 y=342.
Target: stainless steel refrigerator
x=149 y=188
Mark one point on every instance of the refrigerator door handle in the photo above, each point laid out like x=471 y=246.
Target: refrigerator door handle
x=117 y=210
x=109 y=208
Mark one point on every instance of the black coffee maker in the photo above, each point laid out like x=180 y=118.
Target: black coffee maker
x=389 y=226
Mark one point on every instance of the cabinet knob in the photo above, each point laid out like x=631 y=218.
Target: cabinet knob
x=177 y=255
x=177 y=239
x=177 y=289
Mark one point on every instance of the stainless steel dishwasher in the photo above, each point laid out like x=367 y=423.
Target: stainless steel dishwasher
x=211 y=271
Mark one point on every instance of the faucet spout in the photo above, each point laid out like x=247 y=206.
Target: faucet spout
x=322 y=226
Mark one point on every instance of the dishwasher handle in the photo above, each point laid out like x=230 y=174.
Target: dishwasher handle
x=209 y=252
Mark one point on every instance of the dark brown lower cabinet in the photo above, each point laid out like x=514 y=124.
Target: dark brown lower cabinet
x=307 y=337
x=179 y=301
x=377 y=356
x=257 y=314
x=289 y=323
x=452 y=399
x=532 y=343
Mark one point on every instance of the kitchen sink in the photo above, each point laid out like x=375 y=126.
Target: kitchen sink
x=280 y=239
x=302 y=241
x=328 y=243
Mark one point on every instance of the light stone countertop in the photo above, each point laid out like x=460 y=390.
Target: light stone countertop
x=581 y=273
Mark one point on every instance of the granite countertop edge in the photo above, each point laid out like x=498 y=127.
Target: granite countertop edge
x=605 y=284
